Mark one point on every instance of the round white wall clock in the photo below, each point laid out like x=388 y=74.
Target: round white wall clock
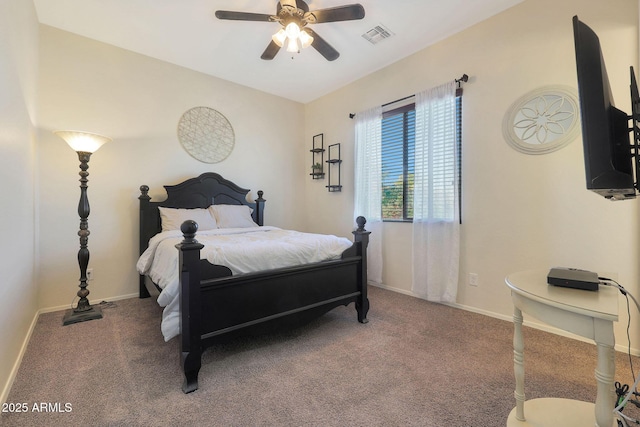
x=543 y=120
x=206 y=134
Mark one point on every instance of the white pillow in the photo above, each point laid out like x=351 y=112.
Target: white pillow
x=232 y=216
x=172 y=218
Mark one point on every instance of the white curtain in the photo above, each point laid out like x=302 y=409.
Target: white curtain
x=436 y=222
x=368 y=185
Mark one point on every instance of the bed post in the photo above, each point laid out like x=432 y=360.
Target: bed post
x=260 y=208
x=361 y=236
x=190 y=310
x=144 y=242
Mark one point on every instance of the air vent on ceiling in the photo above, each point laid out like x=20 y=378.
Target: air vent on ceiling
x=377 y=34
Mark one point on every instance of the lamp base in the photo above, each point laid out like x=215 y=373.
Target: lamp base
x=71 y=316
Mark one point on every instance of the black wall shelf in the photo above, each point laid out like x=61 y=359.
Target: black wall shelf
x=317 y=157
x=334 y=164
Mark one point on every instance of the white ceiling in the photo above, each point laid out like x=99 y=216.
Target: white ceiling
x=187 y=33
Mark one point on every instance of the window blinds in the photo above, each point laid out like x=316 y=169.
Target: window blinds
x=398 y=139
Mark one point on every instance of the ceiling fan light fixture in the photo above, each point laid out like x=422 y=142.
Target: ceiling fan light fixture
x=279 y=37
x=305 y=39
x=293 y=45
x=293 y=30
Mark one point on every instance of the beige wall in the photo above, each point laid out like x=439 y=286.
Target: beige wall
x=519 y=211
x=18 y=297
x=138 y=101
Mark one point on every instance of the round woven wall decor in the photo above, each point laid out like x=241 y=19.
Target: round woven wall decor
x=206 y=134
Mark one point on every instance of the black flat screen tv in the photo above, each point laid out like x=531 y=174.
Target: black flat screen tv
x=608 y=151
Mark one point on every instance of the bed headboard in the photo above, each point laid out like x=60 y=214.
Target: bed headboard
x=201 y=192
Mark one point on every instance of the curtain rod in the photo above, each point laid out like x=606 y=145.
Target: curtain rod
x=464 y=78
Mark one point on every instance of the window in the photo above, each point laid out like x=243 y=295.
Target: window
x=398 y=139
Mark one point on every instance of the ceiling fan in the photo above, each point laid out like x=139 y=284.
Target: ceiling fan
x=294 y=16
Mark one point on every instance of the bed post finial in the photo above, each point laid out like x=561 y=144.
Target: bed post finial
x=189 y=229
x=144 y=192
x=361 y=221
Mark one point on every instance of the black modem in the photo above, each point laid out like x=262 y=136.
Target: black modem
x=573 y=278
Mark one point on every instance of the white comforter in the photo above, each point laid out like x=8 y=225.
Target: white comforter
x=243 y=250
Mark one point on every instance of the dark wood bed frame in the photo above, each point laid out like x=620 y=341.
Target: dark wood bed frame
x=214 y=303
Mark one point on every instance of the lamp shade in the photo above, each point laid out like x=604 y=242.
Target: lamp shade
x=292 y=30
x=305 y=39
x=292 y=45
x=279 y=37
x=83 y=141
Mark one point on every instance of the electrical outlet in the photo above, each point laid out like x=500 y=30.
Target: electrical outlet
x=89 y=274
x=473 y=279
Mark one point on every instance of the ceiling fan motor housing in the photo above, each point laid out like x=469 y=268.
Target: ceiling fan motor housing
x=299 y=4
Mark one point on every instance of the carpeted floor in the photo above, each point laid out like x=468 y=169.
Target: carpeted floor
x=414 y=364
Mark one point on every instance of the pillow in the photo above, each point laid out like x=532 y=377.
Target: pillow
x=172 y=218
x=232 y=216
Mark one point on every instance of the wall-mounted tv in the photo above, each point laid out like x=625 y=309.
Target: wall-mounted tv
x=608 y=152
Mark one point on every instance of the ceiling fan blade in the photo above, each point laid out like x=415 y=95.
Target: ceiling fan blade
x=271 y=51
x=242 y=16
x=334 y=14
x=322 y=46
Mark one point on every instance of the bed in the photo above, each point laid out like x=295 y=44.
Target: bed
x=212 y=301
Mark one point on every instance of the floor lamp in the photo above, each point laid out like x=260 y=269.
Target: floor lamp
x=84 y=144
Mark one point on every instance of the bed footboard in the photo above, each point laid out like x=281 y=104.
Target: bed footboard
x=211 y=307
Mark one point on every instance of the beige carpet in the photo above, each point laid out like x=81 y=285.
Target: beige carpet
x=414 y=364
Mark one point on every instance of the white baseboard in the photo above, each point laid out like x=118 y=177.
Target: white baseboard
x=16 y=366
x=529 y=323
x=14 y=370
